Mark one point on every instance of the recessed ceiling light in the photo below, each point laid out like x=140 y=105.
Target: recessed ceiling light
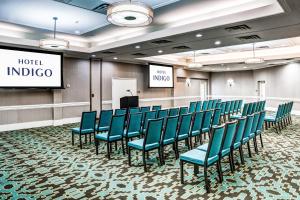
x=160 y=51
x=76 y=22
x=77 y=32
x=218 y=42
x=199 y=35
x=115 y=58
x=227 y=68
x=93 y=55
x=245 y=67
x=137 y=47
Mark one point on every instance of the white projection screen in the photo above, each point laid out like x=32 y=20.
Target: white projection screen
x=22 y=68
x=161 y=76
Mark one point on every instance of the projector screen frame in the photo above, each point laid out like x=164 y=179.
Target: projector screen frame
x=163 y=65
x=37 y=51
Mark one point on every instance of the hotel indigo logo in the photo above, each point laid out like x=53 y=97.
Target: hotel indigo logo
x=161 y=75
x=29 y=68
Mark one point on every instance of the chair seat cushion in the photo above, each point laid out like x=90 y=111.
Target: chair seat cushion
x=83 y=131
x=205 y=130
x=198 y=157
x=131 y=134
x=168 y=141
x=102 y=128
x=245 y=140
x=104 y=136
x=194 y=133
x=270 y=118
x=138 y=144
x=235 y=116
x=258 y=132
x=236 y=145
x=183 y=136
x=203 y=147
x=225 y=152
x=252 y=135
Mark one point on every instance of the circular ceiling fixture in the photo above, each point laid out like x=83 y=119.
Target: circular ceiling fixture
x=195 y=64
x=254 y=60
x=130 y=14
x=54 y=43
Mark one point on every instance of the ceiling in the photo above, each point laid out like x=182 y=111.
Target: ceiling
x=173 y=31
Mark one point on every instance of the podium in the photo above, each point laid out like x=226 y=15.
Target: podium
x=129 y=102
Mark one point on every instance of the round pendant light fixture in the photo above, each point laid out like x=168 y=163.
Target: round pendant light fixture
x=130 y=14
x=254 y=60
x=195 y=64
x=54 y=43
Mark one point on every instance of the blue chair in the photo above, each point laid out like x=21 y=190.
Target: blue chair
x=198 y=106
x=236 y=106
x=274 y=119
x=223 y=106
x=231 y=109
x=260 y=127
x=240 y=106
x=204 y=105
x=122 y=111
x=247 y=132
x=183 y=131
x=204 y=158
x=145 y=109
x=169 y=135
x=114 y=134
x=162 y=113
x=207 y=122
x=150 y=142
x=237 y=140
x=87 y=126
x=133 y=110
x=147 y=116
x=183 y=110
x=104 y=120
x=192 y=107
x=156 y=108
x=216 y=119
x=210 y=104
x=196 y=127
x=250 y=107
x=133 y=127
x=254 y=128
x=215 y=102
x=173 y=112
x=254 y=108
x=227 y=110
x=244 y=112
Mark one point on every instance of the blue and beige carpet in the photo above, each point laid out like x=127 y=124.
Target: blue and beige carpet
x=41 y=163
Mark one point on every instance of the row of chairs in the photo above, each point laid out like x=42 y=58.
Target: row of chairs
x=250 y=108
x=281 y=118
x=229 y=108
x=224 y=140
x=197 y=106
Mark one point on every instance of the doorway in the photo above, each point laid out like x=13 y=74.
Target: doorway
x=122 y=87
x=203 y=89
x=261 y=89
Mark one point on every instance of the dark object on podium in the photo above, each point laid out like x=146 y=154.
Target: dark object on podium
x=129 y=102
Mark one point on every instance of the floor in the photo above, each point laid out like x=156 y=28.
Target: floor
x=41 y=163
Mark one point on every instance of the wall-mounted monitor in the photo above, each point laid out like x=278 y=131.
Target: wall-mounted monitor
x=23 y=68
x=161 y=76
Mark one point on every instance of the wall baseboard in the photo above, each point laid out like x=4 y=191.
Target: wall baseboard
x=36 y=124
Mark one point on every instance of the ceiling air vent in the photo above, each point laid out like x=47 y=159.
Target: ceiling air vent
x=158 y=42
x=183 y=47
x=108 y=52
x=242 y=27
x=102 y=8
x=249 y=37
x=263 y=47
x=138 y=54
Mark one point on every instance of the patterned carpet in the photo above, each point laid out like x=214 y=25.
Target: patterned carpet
x=41 y=163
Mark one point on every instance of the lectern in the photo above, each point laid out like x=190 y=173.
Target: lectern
x=129 y=102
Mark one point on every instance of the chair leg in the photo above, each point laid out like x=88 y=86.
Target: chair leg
x=261 y=141
x=85 y=138
x=189 y=145
x=177 y=150
x=160 y=157
x=191 y=142
x=123 y=149
x=174 y=148
x=196 y=169
x=97 y=146
x=207 y=187
x=255 y=144
x=129 y=156
x=219 y=169
x=126 y=140
x=241 y=154
x=72 y=138
x=80 y=141
x=249 y=150
x=230 y=162
x=116 y=145
x=144 y=161
x=90 y=138
x=108 y=149
x=181 y=172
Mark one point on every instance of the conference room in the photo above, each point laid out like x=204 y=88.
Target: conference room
x=149 y=99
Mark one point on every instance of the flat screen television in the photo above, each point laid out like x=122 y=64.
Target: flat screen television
x=161 y=76
x=23 y=68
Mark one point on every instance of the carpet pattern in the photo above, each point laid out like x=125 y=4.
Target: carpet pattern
x=41 y=163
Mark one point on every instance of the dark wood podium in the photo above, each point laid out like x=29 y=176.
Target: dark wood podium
x=129 y=102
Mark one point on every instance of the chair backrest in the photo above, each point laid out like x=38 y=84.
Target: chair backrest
x=255 y=122
x=216 y=117
x=210 y=104
x=249 y=111
x=207 y=118
x=88 y=120
x=173 y=111
x=147 y=116
x=261 y=121
x=157 y=107
x=134 y=110
x=192 y=107
x=183 y=110
x=223 y=106
x=215 y=102
x=214 y=145
x=278 y=113
x=153 y=131
x=248 y=126
x=231 y=108
x=240 y=129
x=184 y=124
x=105 y=118
x=254 y=107
x=227 y=106
x=170 y=128
x=230 y=129
x=236 y=105
x=198 y=106
x=122 y=111
x=198 y=120
x=145 y=109
x=162 y=113
x=135 y=122
x=245 y=109
x=204 y=105
x=117 y=125
x=218 y=105
x=240 y=105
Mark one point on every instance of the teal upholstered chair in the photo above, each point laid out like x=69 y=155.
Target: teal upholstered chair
x=250 y=107
x=184 y=130
x=133 y=110
x=145 y=109
x=173 y=112
x=87 y=126
x=216 y=120
x=147 y=116
x=227 y=109
x=114 y=134
x=198 y=106
x=104 y=120
x=204 y=158
x=247 y=132
x=207 y=122
x=254 y=108
x=210 y=104
x=156 y=107
x=240 y=106
x=183 y=110
x=169 y=135
x=244 y=112
x=192 y=107
x=204 y=105
x=254 y=128
x=214 y=104
x=236 y=106
x=162 y=113
x=133 y=127
x=260 y=126
x=150 y=142
x=231 y=109
x=223 y=106
x=275 y=119
x=122 y=111
x=237 y=140
x=196 y=127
